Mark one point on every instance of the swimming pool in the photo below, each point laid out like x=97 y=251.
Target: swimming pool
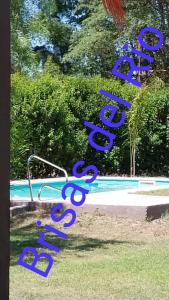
x=21 y=189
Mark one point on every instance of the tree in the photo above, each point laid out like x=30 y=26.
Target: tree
x=79 y=44
x=23 y=58
x=135 y=125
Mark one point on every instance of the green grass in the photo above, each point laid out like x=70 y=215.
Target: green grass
x=164 y=192
x=102 y=258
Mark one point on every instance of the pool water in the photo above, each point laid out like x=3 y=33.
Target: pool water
x=99 y=186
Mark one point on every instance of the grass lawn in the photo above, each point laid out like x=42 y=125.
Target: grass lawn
x=102 y=258
x=164 y=192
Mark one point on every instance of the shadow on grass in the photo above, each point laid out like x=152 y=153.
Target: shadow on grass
x=27 y=236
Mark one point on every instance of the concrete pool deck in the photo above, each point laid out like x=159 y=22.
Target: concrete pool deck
x=123 y=203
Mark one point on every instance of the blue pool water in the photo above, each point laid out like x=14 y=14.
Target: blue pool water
x=99 y=186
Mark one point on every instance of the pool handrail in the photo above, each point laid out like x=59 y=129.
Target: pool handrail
x=44 y=185
x=147 y=182
x=44 y=161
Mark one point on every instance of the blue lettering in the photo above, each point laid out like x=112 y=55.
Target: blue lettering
x=84 y=172
x=155 y=31
x=108 y=121
x=76 y=188
x=38 y=256
x=63 y=215
x=95 y=130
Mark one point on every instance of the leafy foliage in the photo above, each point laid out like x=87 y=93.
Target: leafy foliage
x=48 y=114
x=62 y=54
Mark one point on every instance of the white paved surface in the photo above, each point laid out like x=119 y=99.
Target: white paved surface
x=114 y=198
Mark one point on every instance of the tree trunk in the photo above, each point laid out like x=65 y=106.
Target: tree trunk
x=134 y=160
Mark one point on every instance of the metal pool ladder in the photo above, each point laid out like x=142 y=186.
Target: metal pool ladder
x=147 y=182
x=43 y=185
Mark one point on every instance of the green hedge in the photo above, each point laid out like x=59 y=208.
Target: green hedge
x=47 y=119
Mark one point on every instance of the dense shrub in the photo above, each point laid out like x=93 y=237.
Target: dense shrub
x=47 y=119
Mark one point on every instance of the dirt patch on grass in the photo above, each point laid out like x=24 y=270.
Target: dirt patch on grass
x=121 y=229
x=164 y=192
x=101 y=227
